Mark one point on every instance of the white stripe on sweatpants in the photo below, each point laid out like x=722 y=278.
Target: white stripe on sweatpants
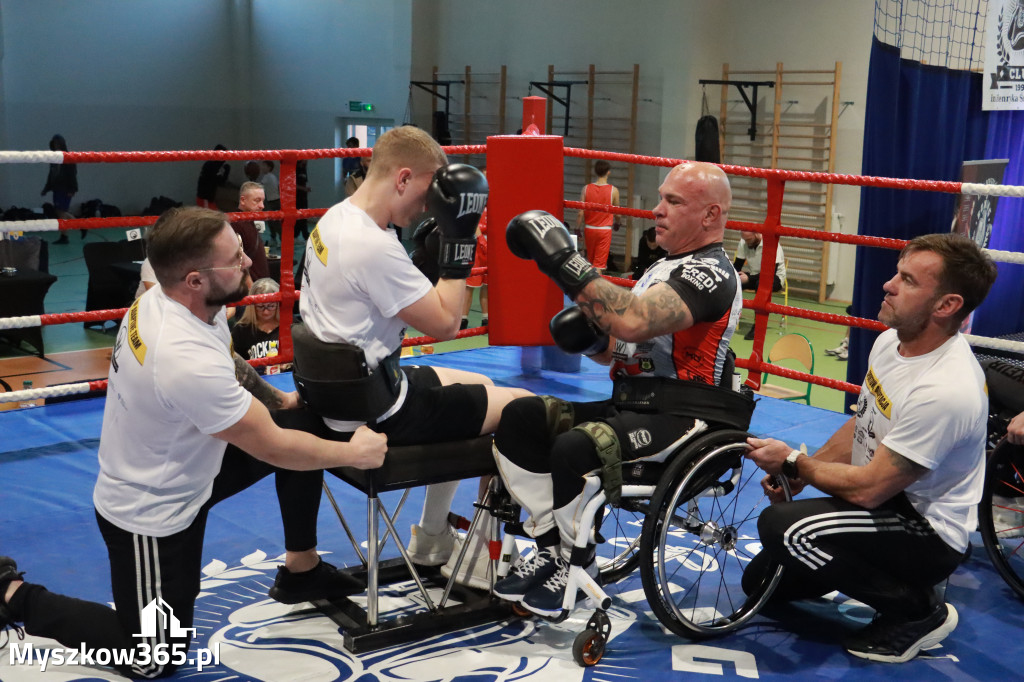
x=798 y=538
x=148 y=588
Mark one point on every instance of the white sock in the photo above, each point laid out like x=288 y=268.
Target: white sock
x=436 y=504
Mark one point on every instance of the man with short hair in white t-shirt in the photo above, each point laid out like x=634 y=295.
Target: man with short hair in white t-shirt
x=360 y=287
x=182 y=431
x=904 y=475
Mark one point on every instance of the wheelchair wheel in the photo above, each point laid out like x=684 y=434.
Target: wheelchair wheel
x=1001 y=514
x=618 y=555
x=699 y=536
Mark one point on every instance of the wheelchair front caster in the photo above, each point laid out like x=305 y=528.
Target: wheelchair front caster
x=522 y=611
x=589 y=646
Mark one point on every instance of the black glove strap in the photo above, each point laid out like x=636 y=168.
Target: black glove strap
x=574 y=273
x=455 y=260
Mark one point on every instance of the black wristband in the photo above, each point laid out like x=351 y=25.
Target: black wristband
x=456 y=256
x=574 y=273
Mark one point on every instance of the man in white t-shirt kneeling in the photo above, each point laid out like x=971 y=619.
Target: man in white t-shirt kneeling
x=904 y=476
x=184 y=426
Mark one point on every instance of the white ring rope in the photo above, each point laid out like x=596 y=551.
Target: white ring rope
x=47 y=392
x=31 y=157
x=45 y=225
x=996 y=344
x=991 y=190
x=21 y=322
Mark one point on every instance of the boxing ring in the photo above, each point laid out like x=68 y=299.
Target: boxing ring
x=48 y=467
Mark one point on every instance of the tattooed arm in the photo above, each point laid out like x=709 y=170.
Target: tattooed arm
x=250 y=380
x=620 y=314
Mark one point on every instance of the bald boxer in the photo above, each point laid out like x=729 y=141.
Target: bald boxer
x=180 y=434
x=671 y=332
x=361 y=291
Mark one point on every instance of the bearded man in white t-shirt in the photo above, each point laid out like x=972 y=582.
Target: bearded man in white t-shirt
x=904 y=476
x=185 y=425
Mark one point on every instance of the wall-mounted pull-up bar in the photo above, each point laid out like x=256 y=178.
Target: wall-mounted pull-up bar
x=751 y=101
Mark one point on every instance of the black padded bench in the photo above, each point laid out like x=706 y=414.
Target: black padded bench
x=407 y=467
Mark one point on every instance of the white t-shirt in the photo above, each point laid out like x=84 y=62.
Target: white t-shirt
x=172 y=384
x=271 y=189
x=357 y=278
x=753 y=258
x=146 y=274
x=933 y=410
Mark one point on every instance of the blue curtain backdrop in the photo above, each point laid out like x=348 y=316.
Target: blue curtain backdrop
x=921 y=122
x=1003 y=310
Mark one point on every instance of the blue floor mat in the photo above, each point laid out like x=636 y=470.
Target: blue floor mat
x=48 y=468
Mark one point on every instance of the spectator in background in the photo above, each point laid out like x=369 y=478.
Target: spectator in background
x=272 y=199
x=302 y=191
x=250 y=199
x=597 y=232
x=350 y=164
x=647 y=253
x=213 y=174
x=252 y=171
x=257 y=333
x=62 y=180
x=748 y=265
x=353 y=181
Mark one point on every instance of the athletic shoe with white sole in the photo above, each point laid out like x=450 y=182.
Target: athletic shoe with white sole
x=897 y=640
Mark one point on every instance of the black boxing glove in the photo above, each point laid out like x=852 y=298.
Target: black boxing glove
x=573 y=332
x=425 y=254
x=541 y=237
x=456 y=198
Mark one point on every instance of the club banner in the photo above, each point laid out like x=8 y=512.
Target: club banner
x=1004 y=56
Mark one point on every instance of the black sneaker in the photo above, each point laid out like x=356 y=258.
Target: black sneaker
x=896 y=640
x=8 y=573
x=546 y=599
x=749 y=336
x=323 y=582
x=526 y=575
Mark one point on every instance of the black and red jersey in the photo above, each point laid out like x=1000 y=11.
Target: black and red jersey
x=707 y=283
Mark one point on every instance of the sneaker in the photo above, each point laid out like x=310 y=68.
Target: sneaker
x=464 y=324
x=841 y=349
x=843 y=354
x=475 y=569
x=430 y=550
x=749 y=336
x=8 y=573
x=895 y=640
x=525 y=575
x=546 y=600
x=322 y=582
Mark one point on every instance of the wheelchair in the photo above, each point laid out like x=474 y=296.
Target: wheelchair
x=1001 y=511
x=697 y=513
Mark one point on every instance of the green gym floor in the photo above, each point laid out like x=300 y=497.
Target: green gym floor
x=68 y=295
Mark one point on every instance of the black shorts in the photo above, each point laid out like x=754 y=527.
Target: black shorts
x=433 y=413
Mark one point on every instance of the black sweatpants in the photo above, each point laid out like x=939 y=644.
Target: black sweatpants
x=144 y=568
x=889 y=557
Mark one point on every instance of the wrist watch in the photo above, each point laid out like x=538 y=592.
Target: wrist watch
x=789 y=465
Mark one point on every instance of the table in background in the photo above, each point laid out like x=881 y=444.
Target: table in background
x=22 y=294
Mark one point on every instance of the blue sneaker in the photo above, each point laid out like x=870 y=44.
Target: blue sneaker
x=527 y=575
x=546 y=599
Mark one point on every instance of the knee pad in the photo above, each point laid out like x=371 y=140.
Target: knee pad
x=609 y=451
x=528 y=427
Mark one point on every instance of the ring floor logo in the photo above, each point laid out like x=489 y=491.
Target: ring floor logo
x=242 y=634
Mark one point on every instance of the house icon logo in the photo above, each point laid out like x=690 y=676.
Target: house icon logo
x=158 y=616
